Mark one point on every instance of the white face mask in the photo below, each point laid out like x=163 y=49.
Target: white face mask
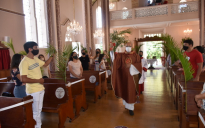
x=128 y=49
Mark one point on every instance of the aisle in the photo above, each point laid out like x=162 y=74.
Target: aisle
x=156 y=109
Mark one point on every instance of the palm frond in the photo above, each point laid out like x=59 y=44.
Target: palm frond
x=50 y=50
x=62 y=60
x=119 y=38
x=175 y=51
x=9 y=45
x=137 y=48
x=23 y=53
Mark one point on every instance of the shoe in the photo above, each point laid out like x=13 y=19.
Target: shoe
x=131 y=113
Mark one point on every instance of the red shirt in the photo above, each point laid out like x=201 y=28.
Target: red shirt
x=194 y=57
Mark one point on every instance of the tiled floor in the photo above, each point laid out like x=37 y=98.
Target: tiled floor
x=155 y=110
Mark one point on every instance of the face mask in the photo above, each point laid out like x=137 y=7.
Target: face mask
x=128 y=49
x=140 y=55
x=75 y=57
x=97 y=52
x=35 y=52
x=185 y=47
x=83 y=53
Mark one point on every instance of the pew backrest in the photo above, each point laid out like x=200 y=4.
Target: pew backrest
x=7 y=87
x=16 y=112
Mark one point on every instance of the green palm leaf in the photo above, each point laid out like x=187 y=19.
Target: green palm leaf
x=9 y=45
x=51 y=50
x=23 y=53
x=137 y=48
x=175 y=51
x=62 y=60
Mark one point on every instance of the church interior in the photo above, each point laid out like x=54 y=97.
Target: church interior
x=102 y=63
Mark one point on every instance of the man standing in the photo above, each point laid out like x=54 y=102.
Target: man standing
x=84 y=60
x=194 y=57
x=125 y=76
x=144 y=72
x=31 y=75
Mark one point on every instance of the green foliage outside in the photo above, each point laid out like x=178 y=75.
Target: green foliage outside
x=154 y=49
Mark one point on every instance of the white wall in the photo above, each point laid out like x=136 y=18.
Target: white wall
x=177 y=33
x=66 y=11
x=12 y=25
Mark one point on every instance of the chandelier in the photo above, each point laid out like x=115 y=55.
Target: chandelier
x=74 y=26
x=182 y=1
x=111 y=5
x=98 y=34
x=187 y=31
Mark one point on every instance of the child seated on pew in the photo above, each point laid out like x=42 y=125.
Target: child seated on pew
x=45 y=70
x=20 y=88
x=102 y=66
x=75 y=66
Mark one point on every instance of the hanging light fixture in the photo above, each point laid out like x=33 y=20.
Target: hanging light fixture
x=182 y=1
x=74 y=26
x=98 y=33
x=187 y=31
x=111 y=5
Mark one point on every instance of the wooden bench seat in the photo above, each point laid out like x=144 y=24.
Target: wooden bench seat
x=16 y=117
x=56 y=101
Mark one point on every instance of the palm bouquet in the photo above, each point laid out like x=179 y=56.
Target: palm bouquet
x=51 y=50
x=118 y=38
x=9 y=45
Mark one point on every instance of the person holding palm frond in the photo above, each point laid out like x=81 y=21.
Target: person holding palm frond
x=30 y=73
x=75 y=66
x=194 y=57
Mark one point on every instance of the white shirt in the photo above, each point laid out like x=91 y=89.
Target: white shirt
x=75 y=67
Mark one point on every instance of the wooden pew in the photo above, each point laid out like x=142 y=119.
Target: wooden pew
x=5 y=79
x=188 y=109
x=56 y=100
x=7 y=87
x=103 y=81
x=172 y=68
x=201 y=117
x=76 y=92
x=20 y=116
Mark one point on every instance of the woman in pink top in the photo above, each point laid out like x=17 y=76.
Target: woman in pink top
x=75 y=66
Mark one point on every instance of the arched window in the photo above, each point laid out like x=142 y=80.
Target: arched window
x=36 y=21
x=99 y=17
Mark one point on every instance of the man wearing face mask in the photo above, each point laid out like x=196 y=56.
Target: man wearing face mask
x=194 y=57
x=84 y=60
x=125 y=76
x=30 y=73
x=144 y=72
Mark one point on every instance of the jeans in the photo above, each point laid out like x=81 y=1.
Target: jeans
x=20 y=91
x=37 y=107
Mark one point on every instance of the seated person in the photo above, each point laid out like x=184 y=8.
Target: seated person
x=45 y=70
x=75 y=66
x=102 y=66
x=20 y=88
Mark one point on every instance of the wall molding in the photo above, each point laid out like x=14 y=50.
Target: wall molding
x=10 y=11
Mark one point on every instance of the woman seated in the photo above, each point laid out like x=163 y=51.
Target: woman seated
x=75 y=66
x=45 y=70
x=102 y=66
x=20 y=88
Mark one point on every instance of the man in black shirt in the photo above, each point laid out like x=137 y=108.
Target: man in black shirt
x=84 y=60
